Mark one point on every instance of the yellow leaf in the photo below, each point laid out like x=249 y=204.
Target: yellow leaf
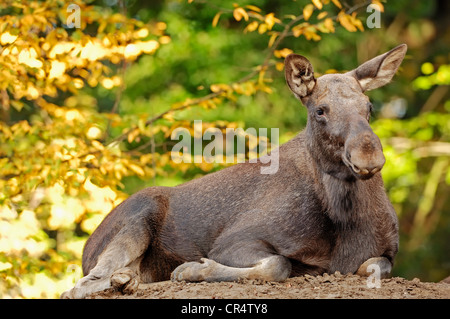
x=345 y=21
x=378 y=3
x=97 y=145
x=219 y=87
x=132 y=135
x=357 y=23
x=251 y=27
x=32 y=92
x=262 y=28
x=298 y=29
x=282 y=53
x=266 y=89
x=107 y=83
x=7 y=38
x=337 y=3
x=272 y=39
x=93 y=133
x=322 y=15
x=311 y=34
x=318 y=4
x=279 y=66
x=240 y=13
x=290 y=16
x=271 y=20
x=307 y=11
x=131 y=51
x=57 y=69
x=5 y=266
x=28 y=57
x=141 y=33
x=137 y=169
x=216 y=19
x=258 y=16
x=147 y=46
x=254 y=8
x=168 y=116
x=329 y=24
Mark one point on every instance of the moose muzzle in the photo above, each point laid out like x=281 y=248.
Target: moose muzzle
x=363 y=152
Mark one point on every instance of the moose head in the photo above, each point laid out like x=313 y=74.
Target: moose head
x=339 y=135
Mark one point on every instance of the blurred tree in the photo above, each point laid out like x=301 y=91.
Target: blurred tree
x=58 y=176
x=86 y=113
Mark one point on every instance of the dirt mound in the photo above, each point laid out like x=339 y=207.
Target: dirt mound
x=306 y=287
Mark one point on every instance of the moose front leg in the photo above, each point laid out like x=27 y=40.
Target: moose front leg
x=382 y=265
x=273 y=268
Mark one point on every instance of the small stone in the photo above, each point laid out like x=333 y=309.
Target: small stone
x=326 y=278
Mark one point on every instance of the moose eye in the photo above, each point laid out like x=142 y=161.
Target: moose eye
x=320 y=113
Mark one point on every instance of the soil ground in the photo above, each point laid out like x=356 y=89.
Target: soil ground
x=333 y=286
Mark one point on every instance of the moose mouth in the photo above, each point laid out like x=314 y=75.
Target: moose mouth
x=358 y=172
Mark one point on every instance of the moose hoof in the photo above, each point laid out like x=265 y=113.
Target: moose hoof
x=193 y=271
x=379 y=264
x=69 y=294
x=125 y=280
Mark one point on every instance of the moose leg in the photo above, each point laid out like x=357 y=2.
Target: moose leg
x=375 y=265
x=273 y=268
x=126 y=280
x=113 y=268
x=109 y=271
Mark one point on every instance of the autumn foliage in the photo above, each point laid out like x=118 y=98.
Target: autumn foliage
x=66 y=156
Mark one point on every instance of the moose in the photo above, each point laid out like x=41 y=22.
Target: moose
x=324 y=210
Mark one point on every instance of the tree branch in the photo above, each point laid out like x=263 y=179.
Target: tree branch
x=252 y=74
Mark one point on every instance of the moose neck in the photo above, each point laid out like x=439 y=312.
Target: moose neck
x=342 y=193
x=344 y=200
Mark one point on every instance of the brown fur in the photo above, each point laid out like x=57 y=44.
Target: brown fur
x=325 y=209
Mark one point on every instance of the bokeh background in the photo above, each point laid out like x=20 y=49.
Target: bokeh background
x=86 y=112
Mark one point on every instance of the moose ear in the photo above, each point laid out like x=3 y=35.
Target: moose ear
x=380 y=70
x=299 y=75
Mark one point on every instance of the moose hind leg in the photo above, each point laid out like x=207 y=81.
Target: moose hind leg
x=273 y=268
x=128 y=245
x=125 y=280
